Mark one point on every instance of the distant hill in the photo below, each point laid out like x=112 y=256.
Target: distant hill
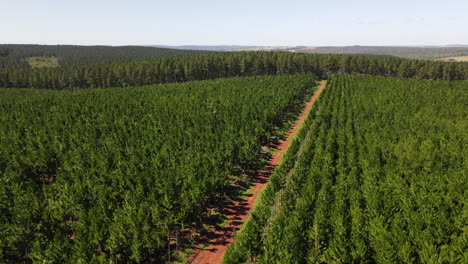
x=457 y=45
x=426 y=53
x=411 y=52
x=19 y=55
x=209 y=48
x=226 y=47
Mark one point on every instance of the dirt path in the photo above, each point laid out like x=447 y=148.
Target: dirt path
x=238 y=211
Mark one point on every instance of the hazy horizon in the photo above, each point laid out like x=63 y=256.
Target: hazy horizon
x=244 y=23
x=236 y=45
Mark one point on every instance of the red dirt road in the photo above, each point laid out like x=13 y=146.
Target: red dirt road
x=238 y=211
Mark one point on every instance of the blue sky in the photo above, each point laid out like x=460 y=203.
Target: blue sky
x=240 y=22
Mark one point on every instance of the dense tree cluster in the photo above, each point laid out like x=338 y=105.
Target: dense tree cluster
x=4 y=51
x=378 y=174
x=15 y=55
x=228 y=64
x=114 y=175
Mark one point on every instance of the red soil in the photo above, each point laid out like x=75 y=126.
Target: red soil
x=238 y=211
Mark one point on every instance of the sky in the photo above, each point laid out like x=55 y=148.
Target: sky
x=234 y=22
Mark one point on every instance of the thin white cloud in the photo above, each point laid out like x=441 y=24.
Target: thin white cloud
x=362 y=21
x=415 y=20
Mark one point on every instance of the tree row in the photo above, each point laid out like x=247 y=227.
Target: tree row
x=226 y=64
x=377 y=175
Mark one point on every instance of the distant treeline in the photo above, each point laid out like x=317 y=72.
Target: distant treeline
x=15 y=55
x=224 y=64
x=425 y=53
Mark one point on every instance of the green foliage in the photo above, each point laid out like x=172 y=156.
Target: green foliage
x=14 y=55
x=4 y=51
x=382 y=179
x=222 y=64
x=114 y=175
